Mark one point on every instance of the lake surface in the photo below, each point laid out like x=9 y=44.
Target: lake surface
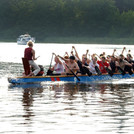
x=100 y=108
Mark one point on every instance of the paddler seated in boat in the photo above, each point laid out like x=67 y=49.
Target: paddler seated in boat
x=129 y=59
x=58 y=67
x=104 y=66
x=112 y=61
x=66 y=62
x=113 y=64
x=86 y=55
x=124 y=65
x=94 y=66
x=70 y=65
x=84 y=67
x=29 y=54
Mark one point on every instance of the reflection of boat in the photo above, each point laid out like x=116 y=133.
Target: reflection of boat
x=25 y=86
x=69 y=78
x=23 y=39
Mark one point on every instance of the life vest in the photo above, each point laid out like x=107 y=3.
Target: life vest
x=28 y=53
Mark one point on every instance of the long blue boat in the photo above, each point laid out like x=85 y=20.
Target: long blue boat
x=68 y=78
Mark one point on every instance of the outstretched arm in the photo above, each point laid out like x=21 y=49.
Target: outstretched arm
x=76 y=53
x=57 y=58
x=66 y=53
x=129 y=51
x=72 y=53
x=128 y=64
x=87 y=53
x=97 y=56
x=62 y=58
x=114 y=52
x=123 y=50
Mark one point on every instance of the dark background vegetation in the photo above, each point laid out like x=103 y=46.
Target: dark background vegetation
x=71 y=21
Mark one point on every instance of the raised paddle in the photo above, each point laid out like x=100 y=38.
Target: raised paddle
x=49 y=71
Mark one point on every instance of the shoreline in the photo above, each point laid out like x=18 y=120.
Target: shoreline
x=84 y=40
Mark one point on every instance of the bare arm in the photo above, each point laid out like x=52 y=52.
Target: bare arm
x=109 y=68
x=98 y=56
x=57 y=58
x=128 y=64
x=114 y=52
x=86 y=66
x=62 y=58
x=93 y=55
x=76 y=53
x=66 y=53
x=123 y=50
x=33 y=52
x=129 y=51
x=72 y=53
x=87 y=53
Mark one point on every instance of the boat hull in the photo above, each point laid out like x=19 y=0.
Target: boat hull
x=24 y=42
x=83 y=79
x=23 y=39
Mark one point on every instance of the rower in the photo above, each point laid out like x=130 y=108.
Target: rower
x=124 y=65
x=94 y=66
x=72 y=65
x=84 y=67
x=29 y=54
x=58 y=67
x=113 y=63
x=130 y=59
x=103 y=65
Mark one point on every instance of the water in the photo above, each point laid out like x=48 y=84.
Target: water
x=101 y=108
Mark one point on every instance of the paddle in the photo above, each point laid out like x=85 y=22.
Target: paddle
x=72 y=72
x=98 y=71
x=49 y=71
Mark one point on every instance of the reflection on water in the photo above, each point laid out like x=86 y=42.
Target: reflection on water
x=68 y=107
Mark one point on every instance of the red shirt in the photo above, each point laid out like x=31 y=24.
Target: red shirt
x=102 y=66
x=28 y=53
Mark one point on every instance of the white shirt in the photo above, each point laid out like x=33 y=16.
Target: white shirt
x=58 y=68
x=92 y=67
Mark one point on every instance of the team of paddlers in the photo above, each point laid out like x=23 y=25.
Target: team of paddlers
x=87 y=65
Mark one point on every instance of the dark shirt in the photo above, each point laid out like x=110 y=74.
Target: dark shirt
x=82 y=69
x=113 y=66
x=28 y=53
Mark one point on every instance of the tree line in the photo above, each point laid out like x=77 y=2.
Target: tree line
x=66 y=18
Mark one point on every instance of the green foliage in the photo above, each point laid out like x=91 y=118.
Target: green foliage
x=125 y=5
x=66 y=18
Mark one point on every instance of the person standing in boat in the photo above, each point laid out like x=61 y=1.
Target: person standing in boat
x=29 y=54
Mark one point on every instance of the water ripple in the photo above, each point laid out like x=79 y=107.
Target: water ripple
x=66 y=107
